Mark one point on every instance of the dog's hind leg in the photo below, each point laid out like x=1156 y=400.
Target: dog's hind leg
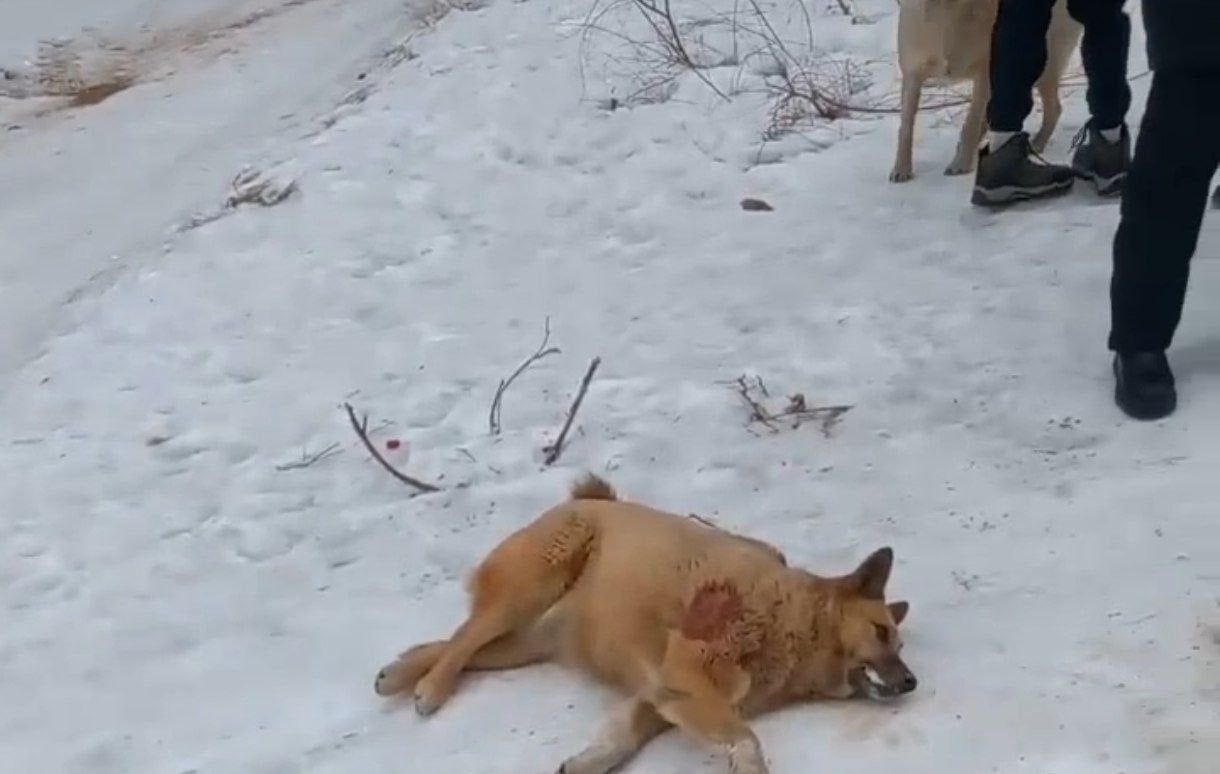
x=530 y=645
x=516 y=584
x=632 y=725
x=973 y=127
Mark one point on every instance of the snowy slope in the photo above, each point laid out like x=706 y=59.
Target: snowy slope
x=84 y=195
x=173 y=602
x=28 y=21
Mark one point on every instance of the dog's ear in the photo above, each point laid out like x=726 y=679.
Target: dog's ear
x=898 y=611
x=870 y=577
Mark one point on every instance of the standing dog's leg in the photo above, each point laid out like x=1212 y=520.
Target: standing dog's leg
x=912 y=87
x=631 y=726
x=1052 y=108
x=973 y=127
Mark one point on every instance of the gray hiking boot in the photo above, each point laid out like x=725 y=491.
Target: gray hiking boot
x=1014 y=172
x=1104 y=162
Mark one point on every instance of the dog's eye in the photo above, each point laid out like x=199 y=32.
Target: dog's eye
x=883 y=634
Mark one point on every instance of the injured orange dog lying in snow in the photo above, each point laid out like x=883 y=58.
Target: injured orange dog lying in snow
x=698 y=627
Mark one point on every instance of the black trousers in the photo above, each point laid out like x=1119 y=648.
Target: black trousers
x=1164 y=198
x=1018 y=57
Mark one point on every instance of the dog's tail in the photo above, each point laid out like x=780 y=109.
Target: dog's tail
x=592 y=487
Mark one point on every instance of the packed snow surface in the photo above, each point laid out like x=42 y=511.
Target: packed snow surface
x=185 y=588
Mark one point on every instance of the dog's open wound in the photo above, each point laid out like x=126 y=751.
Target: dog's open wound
x=711 y=611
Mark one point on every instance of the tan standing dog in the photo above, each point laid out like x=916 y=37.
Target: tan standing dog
x=950 y=40
x=698 y=627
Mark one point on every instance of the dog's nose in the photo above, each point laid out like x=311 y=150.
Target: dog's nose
x=909 y=683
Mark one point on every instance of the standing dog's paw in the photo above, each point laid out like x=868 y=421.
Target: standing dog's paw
x=901 y=175
x=959 y=168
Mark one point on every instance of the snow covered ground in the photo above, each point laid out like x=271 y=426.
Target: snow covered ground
x=87 y=195
x=175 y=601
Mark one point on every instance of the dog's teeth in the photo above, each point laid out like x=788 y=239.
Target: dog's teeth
x=873 y=677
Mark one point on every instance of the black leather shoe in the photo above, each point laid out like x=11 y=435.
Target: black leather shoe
x=1144 y=386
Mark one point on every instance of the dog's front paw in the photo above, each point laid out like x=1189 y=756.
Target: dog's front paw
x=597 y=759
x=746 y=757
x=901 y=175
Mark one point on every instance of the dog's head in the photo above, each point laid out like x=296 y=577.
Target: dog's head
x=869 y=631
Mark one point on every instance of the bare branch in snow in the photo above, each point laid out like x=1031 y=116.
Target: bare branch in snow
x=310 y=459
x=493 y=417
x=779 y=58
x=665 y=26
x=797 y=411
x=361 y=426
x=758 y=412
x=554 y=450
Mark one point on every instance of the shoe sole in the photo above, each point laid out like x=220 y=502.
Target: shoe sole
x=1106 y=186
x=1145 y=414
x=1011 y=194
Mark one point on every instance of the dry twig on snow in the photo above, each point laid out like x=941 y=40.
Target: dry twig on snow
x=361 y=426
x=554 y=450
x=493 y=417
x=797 y=410
x=309 y=459
x=805 y=84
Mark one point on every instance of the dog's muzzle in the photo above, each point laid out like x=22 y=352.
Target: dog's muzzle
x=883 y=681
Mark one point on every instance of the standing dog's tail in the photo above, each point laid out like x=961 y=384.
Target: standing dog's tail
x=592 y=487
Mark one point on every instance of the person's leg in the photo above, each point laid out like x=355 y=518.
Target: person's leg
x=1103 y=154
x=1163 y=204
x=1018 y=56
x=1104 y=51
x=1008 y=169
